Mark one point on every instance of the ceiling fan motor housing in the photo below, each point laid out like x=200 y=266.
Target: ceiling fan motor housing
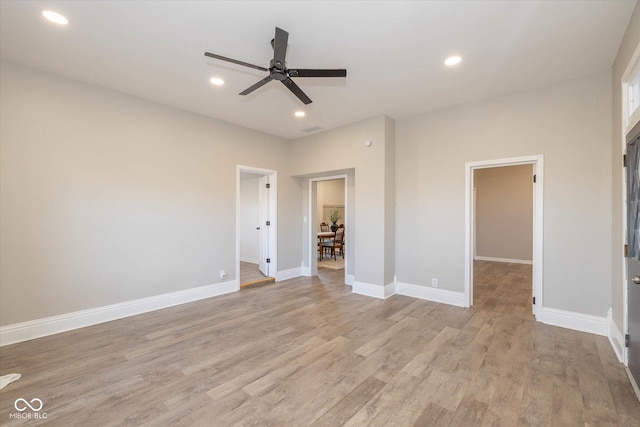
x=277 y=71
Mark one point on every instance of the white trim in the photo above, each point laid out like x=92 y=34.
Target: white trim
x=289 y=274
x=508 y=260
x=634 y=118
x=616 y=338
x=390 y=289
x=576 y=321
x=25 y=331
x=633 y=68
x=273 y=216
x=250 y=261
x=350 y=279
x=634 y=385
x=469 y=234
x=538 y=224
x=431 y=294
x=375 y=291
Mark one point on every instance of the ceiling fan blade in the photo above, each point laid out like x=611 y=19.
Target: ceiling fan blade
x=317 y=73
x=280 y=47
x=235 y=61
x=256 y=86
x=296 y=90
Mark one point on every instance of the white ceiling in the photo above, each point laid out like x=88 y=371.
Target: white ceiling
x=393 y=51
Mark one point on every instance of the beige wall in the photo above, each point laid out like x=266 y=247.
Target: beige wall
x=108 y=198
x=629 y=43
x=331 y=196
x=567 y=122
x=333 y=192
x=390 y=201
x=504 y=212
x=342 y=150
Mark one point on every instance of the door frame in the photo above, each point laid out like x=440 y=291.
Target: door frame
x=273 y=215
x=629 y=122
x=538 y=219
x=313 y=222
x=629 y=137
x=263 y=216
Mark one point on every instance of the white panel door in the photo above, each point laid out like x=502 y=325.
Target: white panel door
x=263 y=206
x=633 y=255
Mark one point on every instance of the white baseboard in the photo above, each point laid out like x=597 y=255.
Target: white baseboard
x=350 y=279
x=371 y=290
x=389 y=289
x=616 y=338
x=289 y=274
x=431 y=294
x=512 y=261
x=576 y=321
x=305 y=271
x=25 y=331
x=250 y=261
x=634 y=385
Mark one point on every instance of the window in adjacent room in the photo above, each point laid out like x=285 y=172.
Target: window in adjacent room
x=631 y=92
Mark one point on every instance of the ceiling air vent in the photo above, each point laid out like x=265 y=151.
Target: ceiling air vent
x=312 y=129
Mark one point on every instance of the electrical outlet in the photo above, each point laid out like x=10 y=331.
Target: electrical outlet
x=434 y=283
x=223 y=275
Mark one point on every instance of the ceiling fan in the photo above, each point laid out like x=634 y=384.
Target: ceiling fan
x=278 y=69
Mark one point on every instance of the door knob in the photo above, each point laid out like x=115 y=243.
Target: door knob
x=636 y=280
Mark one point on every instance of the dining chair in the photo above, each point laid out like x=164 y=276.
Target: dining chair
x=324 y=227
x=337 y=243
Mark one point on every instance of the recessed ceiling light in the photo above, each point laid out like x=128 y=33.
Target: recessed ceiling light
x=299 y=114
x=55 y=17
x=452 y=60
x=216 y=81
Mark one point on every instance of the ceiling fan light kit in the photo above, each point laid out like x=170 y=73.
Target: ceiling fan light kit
x=278 y=69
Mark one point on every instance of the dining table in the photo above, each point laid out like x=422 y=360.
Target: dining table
x=322 y=235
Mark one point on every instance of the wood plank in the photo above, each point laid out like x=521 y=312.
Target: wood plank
x=342 y=411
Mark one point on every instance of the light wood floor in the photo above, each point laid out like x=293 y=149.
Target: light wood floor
x=503 y=288
x=309 y=352
x=250 y=275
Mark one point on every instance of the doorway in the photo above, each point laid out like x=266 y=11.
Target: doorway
x=328 y=195
x=536 y=164
x=331 y=198
x=503 y=238
x=256 y=226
